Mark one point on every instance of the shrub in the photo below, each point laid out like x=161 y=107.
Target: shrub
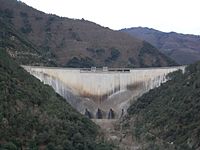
x=80 y=62
x=9 y=146
x=115 y=53
x=23 y=14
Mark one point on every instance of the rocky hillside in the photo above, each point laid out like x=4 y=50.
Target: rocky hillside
x=76 y=43
x=184 y=49
x=168 y=117
x=33 y=116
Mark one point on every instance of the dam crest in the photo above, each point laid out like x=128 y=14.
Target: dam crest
x=104 y=93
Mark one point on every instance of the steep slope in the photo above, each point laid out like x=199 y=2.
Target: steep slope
x=184 y=49
x=20 y=48
x=80 y=43
x=33 y=116
x=168 y=117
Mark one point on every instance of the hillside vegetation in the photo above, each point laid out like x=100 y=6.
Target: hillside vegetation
x=168 y=117
x=20 y=48
x=77 y=43
x=33 y=116
x=183 y=48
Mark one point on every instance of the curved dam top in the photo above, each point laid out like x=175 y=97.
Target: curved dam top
x=103 y=89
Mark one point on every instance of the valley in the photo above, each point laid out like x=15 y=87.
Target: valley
x=72 y=84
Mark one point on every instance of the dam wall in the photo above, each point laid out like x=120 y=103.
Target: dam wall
x=101 y=92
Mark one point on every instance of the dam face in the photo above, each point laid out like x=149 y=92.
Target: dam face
x=101 y=93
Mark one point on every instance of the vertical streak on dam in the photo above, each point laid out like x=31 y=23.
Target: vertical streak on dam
x=101 y=89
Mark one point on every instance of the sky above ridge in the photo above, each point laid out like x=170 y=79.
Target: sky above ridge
x=180 y=16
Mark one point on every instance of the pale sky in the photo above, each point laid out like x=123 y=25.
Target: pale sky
x=182 y=16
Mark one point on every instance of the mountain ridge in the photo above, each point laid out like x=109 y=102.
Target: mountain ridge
x=183 y=48
x=80 y=43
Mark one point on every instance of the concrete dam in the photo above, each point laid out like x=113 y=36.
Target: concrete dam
x=101 y=93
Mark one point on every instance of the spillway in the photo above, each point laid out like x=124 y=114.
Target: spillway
x=92 y=91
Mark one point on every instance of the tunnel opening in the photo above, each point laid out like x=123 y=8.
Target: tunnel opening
x=88 y=114
x=111 y=114
x=99 y=114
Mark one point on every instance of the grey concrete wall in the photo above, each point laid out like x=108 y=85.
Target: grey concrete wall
x=101 y=89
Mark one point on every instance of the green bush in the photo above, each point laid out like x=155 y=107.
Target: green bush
x=26 y=29
x=171 y=111
x=33 y=115
x=23 y=14
x=80 y=62
x=115 y=53
x=9 y=146
x=8 y=13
